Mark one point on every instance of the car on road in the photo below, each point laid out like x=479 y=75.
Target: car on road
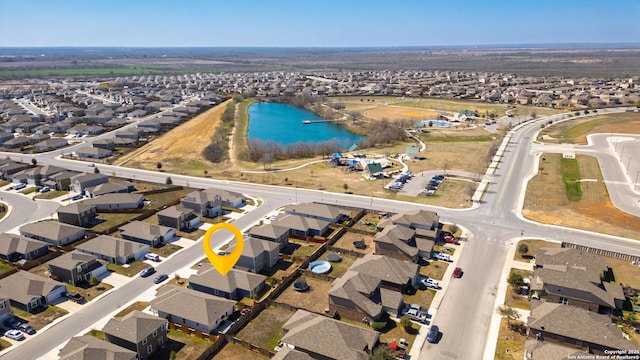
x=433 y=334
x=12 y=323
x=75 y=297
x=91 y=165
x=27 y=329
x=160 y=278
x=457 y=272
x=152 y=257
x=430 y=283
x=14 y=335
x=147 y=271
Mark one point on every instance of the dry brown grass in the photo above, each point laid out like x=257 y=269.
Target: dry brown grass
x=346 y=242
x=266 y=329
x=624 y=272
x=138 y=305
x=237 y=352
x=510 y=344
x=185 y=142
x=547 y=203
x=533 y=246
x=576 y=131
x=315 y=300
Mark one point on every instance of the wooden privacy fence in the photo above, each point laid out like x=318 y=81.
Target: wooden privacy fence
x=612 y=254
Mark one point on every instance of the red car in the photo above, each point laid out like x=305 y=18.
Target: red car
x=451 y=240
x=457 y=273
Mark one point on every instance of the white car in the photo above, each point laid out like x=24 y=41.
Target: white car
x=14 y=335
x=443 y=257
x=430 y=283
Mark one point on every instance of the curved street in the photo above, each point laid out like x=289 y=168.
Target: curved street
x=466 y=311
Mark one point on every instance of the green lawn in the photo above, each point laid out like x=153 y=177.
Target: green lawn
x=51 y=194
x=4 y=344
x=571 y=173
x=133 y=268
x=4 y=268
x=112 y=219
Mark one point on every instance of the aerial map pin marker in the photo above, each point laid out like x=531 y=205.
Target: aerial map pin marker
x=223 y=263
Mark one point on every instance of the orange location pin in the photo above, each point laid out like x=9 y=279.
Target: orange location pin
x=223 y=263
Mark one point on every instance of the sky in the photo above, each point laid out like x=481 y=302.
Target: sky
x=311 y=23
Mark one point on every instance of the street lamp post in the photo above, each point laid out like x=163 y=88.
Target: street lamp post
x=635 y=182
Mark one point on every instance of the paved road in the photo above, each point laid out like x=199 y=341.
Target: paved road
x=465 y=313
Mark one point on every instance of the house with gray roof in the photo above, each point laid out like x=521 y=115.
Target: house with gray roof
x=10 y=168
x=137 y=331
x=302 y=225
x=235 y=285
x=36 y=175
x=53 y=232
x=114 y=250
x=271 y=232
x=146 y=233
x=106 y=144
x=178 y=217
x=15 y=247
x=61 y=180
x=76 y=267
x=29 y=291
x=425 y=223
x=192 y=308
x=398 y=242
x=85 y=180
x=324 y=212
x=394 y=273
x=204 y=202
x=78 y=214
x=93 y=152
x=50 y=144
x=258 y=254
x=113 y=201
x=112 y=187
x=287 y=353
x=573 y=277
x=88 y=347
x=229 y=198
x=5 y=309
x=576 y=328
x=322 y=337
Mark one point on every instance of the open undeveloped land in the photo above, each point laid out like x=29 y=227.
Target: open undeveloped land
x=576 y=131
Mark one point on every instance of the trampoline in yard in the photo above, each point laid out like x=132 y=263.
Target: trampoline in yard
x=301 y=286
x=333 y=257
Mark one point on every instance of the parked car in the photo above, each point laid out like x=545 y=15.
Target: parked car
x=44 y=189
x=430 y=283
x=12 y=323
x=76 y=197
x=457 y=272
x=19 y=186
x=160 y=278
x=443 y=257
x=27 y=329
x=147 y=271
x=432 y=335
x=75 y=297
x=417 y=315
x=14 y=335
x=451 y=240
x=152 y=257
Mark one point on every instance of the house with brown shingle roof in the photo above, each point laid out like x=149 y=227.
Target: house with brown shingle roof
x=178 y=217
x=53 y=232
x=235 y=285
x=88 y=347
x=302 y=225
x=15 y=247
x=147 y=233
x=573 y=277
x=114 y=250
x=324 y=338
x=394 y=274
x=258 y=254
x=329 y=213
x=204 y=203
x=574 y=327
x=76 y=267
x=271 y=232
x=137 y=331
x=192 y=308
x=29 y=291
x=398 y=242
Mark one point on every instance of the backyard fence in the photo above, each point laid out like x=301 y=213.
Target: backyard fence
x=611 y=254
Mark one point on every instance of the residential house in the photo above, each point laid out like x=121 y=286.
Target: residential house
x=192 y=308
x=229 y=199
x=112 y=187
x=53 y=232
x=85 y=180
x=178 y=217
x=573 y=277
x=36 y=175
x=138 y=332
x=322 y=337
x=4 y=136
x=76 y=267
x=17 y=142
x=5 y=309
x=114 y=250
x=116 y=201
x=324 y=212
x=107 y=144
x=303 y=226
x=235 y=285
x=88 y=347
x=15 y=247
x=50 y=144
x=93 y=152
x=29 y=291
x=61 y=180
x=77 y=214
x=398 y=242
x=425 y=223
x=395 y=274
x=203 y=202
x=146 y=233
x=574 y=329
x=10 y=168
x=258 y=254
x=271 y=232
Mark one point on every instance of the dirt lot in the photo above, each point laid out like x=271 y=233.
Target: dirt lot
x=576 y=131
x=346 y=242
x=547 y=203
x=510 y=343
x=237 y=352
x=533 y=246
x=266 y=329
x=315 y=300
x=40 y=319
x=624 y=272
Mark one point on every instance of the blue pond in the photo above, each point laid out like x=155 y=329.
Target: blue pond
x=283 y=124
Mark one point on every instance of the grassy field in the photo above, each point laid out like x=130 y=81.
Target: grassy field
x=624 y=272
x=422 y=297
x=51 y=194
x=5 y=268
x=185 y=347
x=576 y=131
x=266 y=329
x=39 y=73
x=570 y=177
x=109 y=220
x=546 y=200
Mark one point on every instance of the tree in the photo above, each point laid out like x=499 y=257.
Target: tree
x=206 y=172
x=159 y=165
x=345 y=187
x=523 y=249
x=168 y=181
x=406 y=323
x=34 y=161
x=382 y=353
x=508 y=313
x=515 y=280
x=96 y=170
x=93 y=281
